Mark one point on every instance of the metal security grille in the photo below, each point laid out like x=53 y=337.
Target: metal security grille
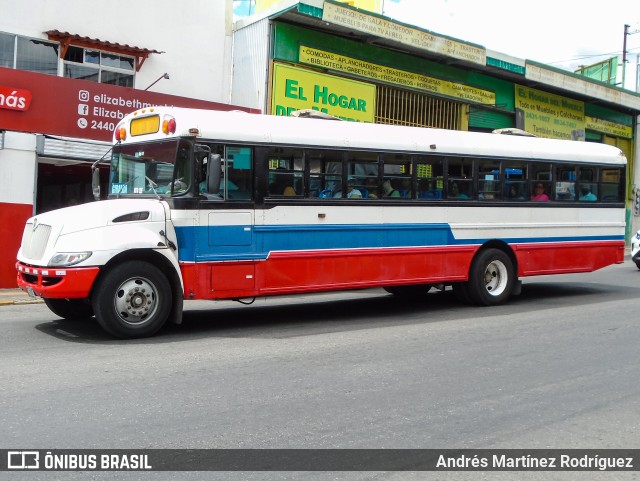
x=403 y=107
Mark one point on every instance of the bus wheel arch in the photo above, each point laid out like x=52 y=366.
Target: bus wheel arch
x=492 y=274
x=121 y=285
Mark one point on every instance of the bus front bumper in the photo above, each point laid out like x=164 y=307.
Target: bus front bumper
x=56 y=283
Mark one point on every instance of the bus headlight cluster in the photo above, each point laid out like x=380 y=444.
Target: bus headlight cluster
x=66 y=259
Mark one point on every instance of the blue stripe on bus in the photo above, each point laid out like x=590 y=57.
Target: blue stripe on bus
x=246 y=243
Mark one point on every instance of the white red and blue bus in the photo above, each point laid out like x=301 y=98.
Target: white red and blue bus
x=230 y=205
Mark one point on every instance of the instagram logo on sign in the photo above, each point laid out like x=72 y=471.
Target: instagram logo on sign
x=83 y=109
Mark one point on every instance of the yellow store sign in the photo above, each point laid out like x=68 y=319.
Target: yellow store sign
x=550 y=115
x=381 y=73
x=609 y=128
x=294 y=88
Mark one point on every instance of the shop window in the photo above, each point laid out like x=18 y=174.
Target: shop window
x=31 y=54
x=97 y=66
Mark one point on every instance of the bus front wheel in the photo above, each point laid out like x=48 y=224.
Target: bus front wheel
x=132 y=300
x=491 y=278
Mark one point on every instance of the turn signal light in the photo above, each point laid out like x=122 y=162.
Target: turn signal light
x=121 y=133
x=169 y=125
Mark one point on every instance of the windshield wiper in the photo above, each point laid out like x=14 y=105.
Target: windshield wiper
x=153 y=186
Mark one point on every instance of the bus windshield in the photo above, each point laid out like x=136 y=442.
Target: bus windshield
x=151 y=168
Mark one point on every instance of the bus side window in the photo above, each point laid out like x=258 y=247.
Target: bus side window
x=238 y=173
x=430 y=175
x=286 y=172
x=460 y=178
x=397 y=173
x=325 y=172
x=610 y=190
x=565 y=183
x=489 y=186
x=362 y=167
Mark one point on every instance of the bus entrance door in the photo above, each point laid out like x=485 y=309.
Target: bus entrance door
x=231 y=247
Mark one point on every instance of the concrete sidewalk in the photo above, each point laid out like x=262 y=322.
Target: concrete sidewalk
x=16 y=296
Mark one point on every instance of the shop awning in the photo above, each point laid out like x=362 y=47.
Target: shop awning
x=66 y=39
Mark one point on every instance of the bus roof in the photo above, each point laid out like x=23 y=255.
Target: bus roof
x=242 y=127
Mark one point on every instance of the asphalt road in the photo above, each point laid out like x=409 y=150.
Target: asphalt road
x=557 y=367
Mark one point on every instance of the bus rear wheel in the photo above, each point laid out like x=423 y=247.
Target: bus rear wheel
x=70 y=309
x=132 y=300
x=491 y=277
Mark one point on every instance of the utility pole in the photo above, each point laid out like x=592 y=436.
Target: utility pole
x=624 y=51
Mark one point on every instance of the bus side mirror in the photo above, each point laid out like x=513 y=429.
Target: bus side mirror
x=95 y=182
x=213 y=174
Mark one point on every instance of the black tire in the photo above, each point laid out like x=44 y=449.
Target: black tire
x=70 y=309
x=132 y=300
x=491 y=277
x=637 y=264
x=417 y=290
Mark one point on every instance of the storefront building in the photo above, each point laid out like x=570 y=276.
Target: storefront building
x=57 y=115
x=67 y=75
x=361 y=66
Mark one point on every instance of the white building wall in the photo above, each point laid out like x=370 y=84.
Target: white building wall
x=196 y=36
x=18 y=185
x=250 y=65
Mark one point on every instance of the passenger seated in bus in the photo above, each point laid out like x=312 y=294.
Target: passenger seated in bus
x=539 y=194
x=454 y=192
x=405 y=187
x=283 y=183
x=371 y=185
x=352 y=192
x=388 y=190
x=586 y=194
x=514 y=193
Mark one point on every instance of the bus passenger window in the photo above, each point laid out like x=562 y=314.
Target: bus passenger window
x=460 y=178
x=286 y=172
x=397 y=173
x=489 y=186
x=362 y=167
x=565 y=183
x=610 y=185
x=430 y=174
x=238 y=168
x=325 y=172
x=515 y=181
x=587 y=186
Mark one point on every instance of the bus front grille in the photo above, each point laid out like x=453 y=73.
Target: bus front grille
x=35 y=239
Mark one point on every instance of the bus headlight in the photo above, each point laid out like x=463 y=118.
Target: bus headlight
x=66 y=259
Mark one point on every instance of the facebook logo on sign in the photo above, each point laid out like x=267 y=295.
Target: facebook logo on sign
x=23 y=460
x=83 y=109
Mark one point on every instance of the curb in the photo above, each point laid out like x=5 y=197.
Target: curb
x=14 y=302
x=10 y=297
